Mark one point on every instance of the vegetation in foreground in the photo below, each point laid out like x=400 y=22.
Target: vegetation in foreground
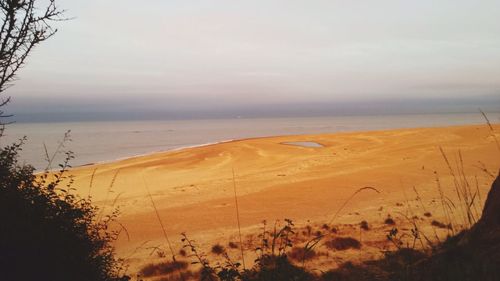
x=471 y=254
x=47 y=232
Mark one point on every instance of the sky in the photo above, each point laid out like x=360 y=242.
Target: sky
x=189 y=58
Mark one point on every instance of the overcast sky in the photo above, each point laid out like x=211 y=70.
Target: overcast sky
x=169 y=55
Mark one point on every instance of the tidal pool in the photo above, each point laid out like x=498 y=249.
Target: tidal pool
x=304 y=143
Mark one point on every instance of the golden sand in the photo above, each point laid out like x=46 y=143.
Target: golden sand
x=193 y=188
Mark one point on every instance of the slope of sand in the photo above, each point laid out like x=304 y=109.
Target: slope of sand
x=193 y=188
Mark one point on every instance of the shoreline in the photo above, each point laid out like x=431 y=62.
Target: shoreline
x=104 y=142
x=153 y=153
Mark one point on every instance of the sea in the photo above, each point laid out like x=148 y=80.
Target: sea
x=103 y=141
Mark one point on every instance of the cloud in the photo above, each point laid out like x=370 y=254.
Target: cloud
x=265 y=52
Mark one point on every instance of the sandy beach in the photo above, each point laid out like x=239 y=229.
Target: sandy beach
x=193 y=188
x=249 y=140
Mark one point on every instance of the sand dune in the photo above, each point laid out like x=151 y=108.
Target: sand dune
x=193 y=188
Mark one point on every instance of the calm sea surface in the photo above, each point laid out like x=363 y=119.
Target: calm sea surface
x=105 y=141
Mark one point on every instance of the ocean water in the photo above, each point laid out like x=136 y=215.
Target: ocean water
x=94 y=142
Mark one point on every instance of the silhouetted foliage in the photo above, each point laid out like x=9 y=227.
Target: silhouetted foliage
x=389 y=221
x=364 y=225
x=272 y=263
x=24 y=24
x=163 y=268
x=218 y=249
x=343 y=243
x=300 y=253
x=47 y=232
x=471 y=255
x=395 y=266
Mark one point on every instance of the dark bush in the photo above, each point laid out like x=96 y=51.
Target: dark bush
x=389 y=221
x=277 y=268
x=343 y=243
x=440 y=224
x=300 y=253
x=163 y=268
x=218 y=249
x=393 y=267
x=182 y=253
x=364 y=225
x=46 y=232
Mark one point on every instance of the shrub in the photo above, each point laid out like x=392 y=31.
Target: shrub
x=364 y=225
x=440 y=224
x=218 y=249
x=300 y=253
x=343 y=243
x=389 y=221
x=47 y=232
x=232 y=245
x=276 y=268
x=163 y=268
x=272 y=263
x=394 y=266
x=182 y=253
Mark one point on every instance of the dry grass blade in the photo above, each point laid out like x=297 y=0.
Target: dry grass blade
x=483 y=168
x=60 y=146
x=444 y=204
x=418 y=233
x=366 y=188
x=309 y=247
x=165 y=235
x=477 y=189
x=467 y=198
x=492 y=131
x=110 y=189
x=413 y=220
x=137 y=249
x=116 y=199
x=122 y=227
x=452 y=172
x=238 y=220
x=47 y=157
x=113 y=180
x=466 y=191
x=458 y=189
x=92 y=181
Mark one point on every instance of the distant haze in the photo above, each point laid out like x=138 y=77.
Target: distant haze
x=196 y=59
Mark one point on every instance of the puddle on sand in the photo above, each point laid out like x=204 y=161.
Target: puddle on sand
x=304 y=143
